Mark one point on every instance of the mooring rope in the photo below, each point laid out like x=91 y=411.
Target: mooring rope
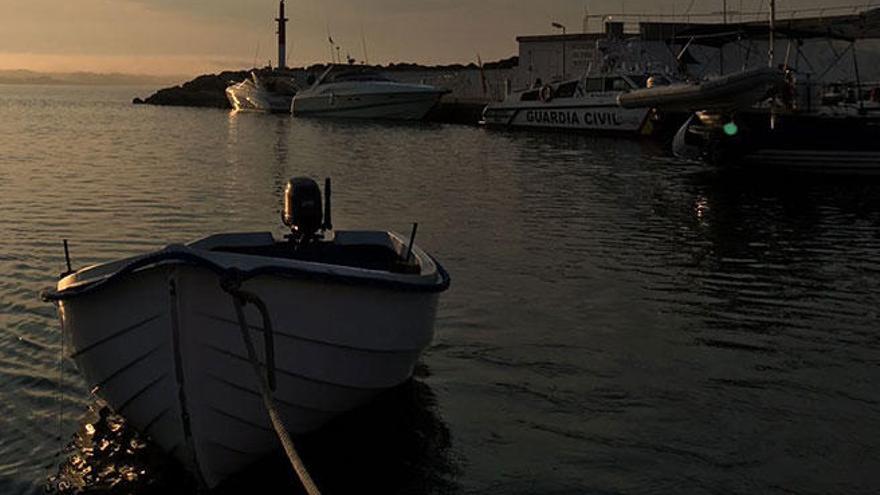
x=230 y=281
x=61 y=389
x=241 y=298
x=61 y=394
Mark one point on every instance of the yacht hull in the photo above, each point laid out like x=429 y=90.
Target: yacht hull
x=247 y=96
x=395 y=105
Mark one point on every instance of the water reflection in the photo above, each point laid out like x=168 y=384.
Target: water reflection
x=619 y=322
x=396 y=444
x=281 y=153
x=765 y=246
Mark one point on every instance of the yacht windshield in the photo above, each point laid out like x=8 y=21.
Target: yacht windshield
x=350 y=76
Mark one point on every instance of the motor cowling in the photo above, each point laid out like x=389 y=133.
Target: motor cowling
x=302 y=207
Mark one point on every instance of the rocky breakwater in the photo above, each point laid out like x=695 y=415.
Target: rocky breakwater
x=203 y=91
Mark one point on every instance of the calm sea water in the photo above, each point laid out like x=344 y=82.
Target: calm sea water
x=618 y=322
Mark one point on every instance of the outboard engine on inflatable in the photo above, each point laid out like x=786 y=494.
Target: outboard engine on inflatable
x=303 y=209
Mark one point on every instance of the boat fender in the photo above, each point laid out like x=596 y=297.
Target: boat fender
x=546 y=93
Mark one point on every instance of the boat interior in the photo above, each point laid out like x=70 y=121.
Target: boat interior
x=365 y=256
x=356 y=76
x=312 y=238
x=595 y=85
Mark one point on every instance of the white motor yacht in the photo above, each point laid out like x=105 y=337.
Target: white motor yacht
x=263 y=93
x=267 y=90
x=363 y=94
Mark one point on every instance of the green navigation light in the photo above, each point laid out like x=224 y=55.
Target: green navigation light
x=731 y=129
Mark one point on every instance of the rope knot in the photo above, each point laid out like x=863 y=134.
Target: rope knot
x=231 y=281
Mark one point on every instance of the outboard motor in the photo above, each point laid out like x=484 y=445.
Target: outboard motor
x=303 y=211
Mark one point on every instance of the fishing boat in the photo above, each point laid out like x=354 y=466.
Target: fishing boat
x=267 y=90
x=365 y=94
x=194 y=343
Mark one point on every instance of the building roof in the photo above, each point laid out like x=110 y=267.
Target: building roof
x=556 y=38
x=864 y=25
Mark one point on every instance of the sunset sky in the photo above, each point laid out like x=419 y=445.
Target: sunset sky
x=178 y=37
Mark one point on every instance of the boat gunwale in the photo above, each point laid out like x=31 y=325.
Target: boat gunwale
x=433 y=282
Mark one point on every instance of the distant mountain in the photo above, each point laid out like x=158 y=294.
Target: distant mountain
x=83 y=78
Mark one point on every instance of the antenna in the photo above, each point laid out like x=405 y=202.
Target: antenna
x=364 y=43
x=67 y=258
x=332 y=45
x=412 y=241
x=328 y=220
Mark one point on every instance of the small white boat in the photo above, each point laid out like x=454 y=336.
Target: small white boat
x=268 y=93
x=361 y=94
x=346 y=316
x=589 y=104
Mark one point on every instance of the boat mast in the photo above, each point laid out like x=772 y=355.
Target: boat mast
x=282 y=36
x=772 y=57
x=772 y=52
x=721 y=50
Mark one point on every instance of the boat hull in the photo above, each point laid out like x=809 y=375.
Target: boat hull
x=163 y=347
x=247 y=96
x=570 y=116
x=836 y=144
x=394 y=105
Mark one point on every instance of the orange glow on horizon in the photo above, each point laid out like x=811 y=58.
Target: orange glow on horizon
x=155 y=65
x=166 y=38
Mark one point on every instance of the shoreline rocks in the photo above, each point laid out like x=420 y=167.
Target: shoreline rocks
x=204 y=91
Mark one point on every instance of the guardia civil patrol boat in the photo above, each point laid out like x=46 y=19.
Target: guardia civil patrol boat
x=588 y=104
x=217 y=348
x=628 y=104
